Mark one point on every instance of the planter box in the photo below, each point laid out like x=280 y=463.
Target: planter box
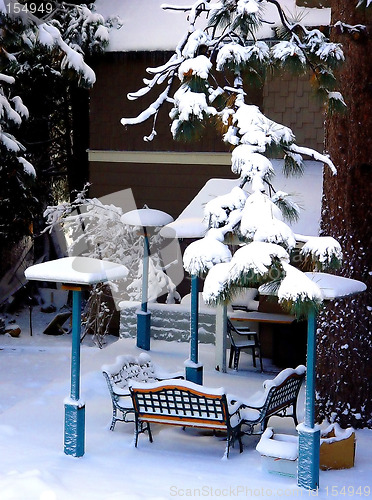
x=279 y=453
x=337 y=448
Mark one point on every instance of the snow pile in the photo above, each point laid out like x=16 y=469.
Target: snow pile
x=247 y=7
x=258 y=130
x=258 y=211
x=218 y=210
x=189 y=105
x=297 y=287
x=282 y=446
x=324 y=250
x=255 y=259
x=201 y=255
x=196 y=38
x=198 y=66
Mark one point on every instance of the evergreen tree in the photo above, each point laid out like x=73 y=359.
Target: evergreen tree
x=41 y=66
x=227 y=50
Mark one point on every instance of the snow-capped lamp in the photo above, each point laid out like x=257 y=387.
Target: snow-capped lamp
x=75 y=274
x=200 y=257
x=144 y=218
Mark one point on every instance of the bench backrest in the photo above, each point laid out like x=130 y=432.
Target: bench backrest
x=284 y=394
x=177 y=403
x=130 y=368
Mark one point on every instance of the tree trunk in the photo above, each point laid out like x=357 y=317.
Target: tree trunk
x=344 y=335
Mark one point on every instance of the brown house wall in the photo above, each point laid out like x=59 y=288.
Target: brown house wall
x=171 y=187
x=165 y=187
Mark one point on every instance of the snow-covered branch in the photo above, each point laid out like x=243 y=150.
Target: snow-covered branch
x=315 y=155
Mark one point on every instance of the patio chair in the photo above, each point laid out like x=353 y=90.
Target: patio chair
x=243 y=339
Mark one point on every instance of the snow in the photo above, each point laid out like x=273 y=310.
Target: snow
x=259 y=131
x=278 y=445
x=198 y=66
x=76 y=270
x=336 y=286
x=338 y=433
x=255 y=258
x=141 y=21
x=323 y=248
x=187 y=105
x=219 y=391
x=307 y=191
x=230 y=53
x=147 y=217
x=296 y=286
x=247 y=7
x=284 y=49
x=217 y=211
x=275 y=231
x=201 y=255
x=35 y=379
x=27 y=167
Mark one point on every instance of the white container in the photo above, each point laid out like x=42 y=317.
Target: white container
x=279 y=453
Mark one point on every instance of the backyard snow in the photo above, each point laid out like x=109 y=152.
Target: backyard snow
x=35 y=380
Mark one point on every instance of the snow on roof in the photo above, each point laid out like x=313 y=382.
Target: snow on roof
x=146 y=26
x=76 y=270
x=306 y=191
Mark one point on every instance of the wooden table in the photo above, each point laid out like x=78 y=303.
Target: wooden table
x=260 y=317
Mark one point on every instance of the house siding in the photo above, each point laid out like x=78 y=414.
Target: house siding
x=170 y=187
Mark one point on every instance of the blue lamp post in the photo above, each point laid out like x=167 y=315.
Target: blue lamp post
x=332 y=287
x=194 y=369
x=145 y=218
x=75 y=273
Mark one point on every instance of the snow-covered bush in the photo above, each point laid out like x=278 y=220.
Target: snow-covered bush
x=94 y=229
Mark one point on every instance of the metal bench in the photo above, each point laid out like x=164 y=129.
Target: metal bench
x=118 y=375
x=280 y=395
x=187 y=405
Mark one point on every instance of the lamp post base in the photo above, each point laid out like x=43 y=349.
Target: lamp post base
x=74 y=428
x=143 y=329
x=308 y=459
x=194 y=373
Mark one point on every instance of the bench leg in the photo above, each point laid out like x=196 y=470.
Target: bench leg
x=136 y=431
x=149 y=431
x=113 y=422
x=139 y=428
x=294 y=414
x=236 y=359
x=231 y=356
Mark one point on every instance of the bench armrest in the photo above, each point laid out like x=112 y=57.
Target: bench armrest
x=120 y=391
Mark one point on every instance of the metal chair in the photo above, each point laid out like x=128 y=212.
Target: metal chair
x=243 y=339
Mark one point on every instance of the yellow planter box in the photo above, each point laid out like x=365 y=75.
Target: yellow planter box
x=337 y=448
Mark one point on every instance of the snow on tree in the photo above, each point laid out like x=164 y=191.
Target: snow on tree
x=94 y=229
x=228 y=46
x=32 y=50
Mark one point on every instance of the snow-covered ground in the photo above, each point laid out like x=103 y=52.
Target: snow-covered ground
x=35 y=378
